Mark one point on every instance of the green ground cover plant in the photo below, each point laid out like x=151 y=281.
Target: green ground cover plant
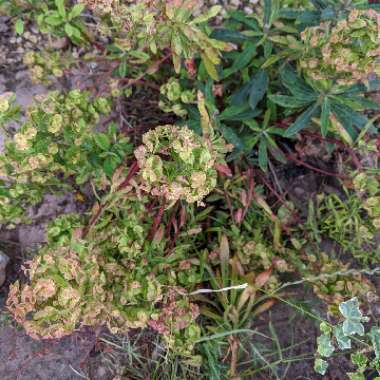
x=189 y=229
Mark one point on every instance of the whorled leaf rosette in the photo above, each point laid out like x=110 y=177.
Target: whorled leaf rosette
x=177 y=164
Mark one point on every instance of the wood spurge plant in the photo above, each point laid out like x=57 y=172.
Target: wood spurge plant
x=220 y=161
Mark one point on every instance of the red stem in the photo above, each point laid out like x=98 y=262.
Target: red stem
x=156 y=221
x=311 y=167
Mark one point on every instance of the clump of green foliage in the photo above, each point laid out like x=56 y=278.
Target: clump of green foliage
x=46 y=64
x=189 y=229
x=108 y=272
x=57 y=140
x=174 y=97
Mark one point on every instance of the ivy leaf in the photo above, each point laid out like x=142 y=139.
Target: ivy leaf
x=325 y=346
x=353 y=317
x=320 y=366
x=259 y=88
x=301 y=122
x=102 y=141
x=344 y=342
x=375 y=339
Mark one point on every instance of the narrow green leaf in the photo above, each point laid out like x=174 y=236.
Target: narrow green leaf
x=231 y=136
x=259 y=88
x=239 y=113
x=242 y=60
x=267 y=12
x=359 y=103
x=210 y=67
x=263 y=155
x=301 y=122
x=289 y=101
x=122 y=69
x=271 y=60
x=140 y=55
x=298 y=87
x=241 y=95
x=348 y=116
x=325 y=113
x=227 y=35
x=245 y=19
x=211 y=13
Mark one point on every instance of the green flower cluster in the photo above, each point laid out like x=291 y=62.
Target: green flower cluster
x=58 y=139
x=9 y=111
x=111 y=276
x=46 y=64
x=174 y=96
x=178 y=164
x=348 y=52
